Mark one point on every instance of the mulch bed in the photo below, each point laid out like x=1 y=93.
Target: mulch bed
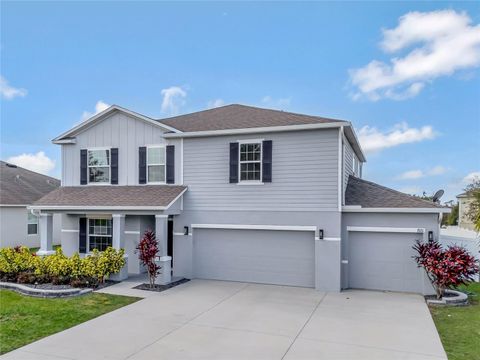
x=48 y=286
x=160 y=288
x=434 y=297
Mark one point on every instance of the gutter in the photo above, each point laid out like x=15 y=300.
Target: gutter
x=193 y=134
x=359 y=209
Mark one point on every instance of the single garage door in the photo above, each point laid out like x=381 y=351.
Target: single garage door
x=383 y=261
x=261 y=256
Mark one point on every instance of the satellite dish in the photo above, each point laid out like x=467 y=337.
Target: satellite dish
x=438 y=195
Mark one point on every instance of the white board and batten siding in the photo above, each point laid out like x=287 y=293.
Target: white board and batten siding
x=304 y=174
x=117 y=131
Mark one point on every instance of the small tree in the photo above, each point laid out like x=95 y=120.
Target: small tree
x=147 y=252
x=445 y=268
x=473 y=212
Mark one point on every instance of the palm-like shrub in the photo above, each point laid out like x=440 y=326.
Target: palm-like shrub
x=446 y=268
x=147 y=252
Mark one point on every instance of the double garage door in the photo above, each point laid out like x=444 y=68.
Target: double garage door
x=383 y=261
x=261 y=256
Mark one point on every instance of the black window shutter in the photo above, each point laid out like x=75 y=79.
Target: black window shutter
x=114 y=166
x=142 y=165
x=82 y=236
x=170 y=164
x=83 y=167
x=234 y=162
x=267 y=161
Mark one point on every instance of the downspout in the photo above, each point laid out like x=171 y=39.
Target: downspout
x=340 y=168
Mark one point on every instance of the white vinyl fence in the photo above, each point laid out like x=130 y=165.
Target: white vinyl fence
x=468 y=240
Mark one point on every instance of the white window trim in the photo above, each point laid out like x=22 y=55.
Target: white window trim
x=88 y=231
x=250 y=182
x=31 y=223
x=109 y=166
x=164 y=164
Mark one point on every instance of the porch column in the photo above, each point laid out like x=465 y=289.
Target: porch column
x=118 y=231
x=161 y=233
x=118 y=242
x=46 y=234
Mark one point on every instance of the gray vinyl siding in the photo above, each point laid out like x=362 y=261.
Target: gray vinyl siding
x=348 y=166
x=117 y=131
x=13 y=228
x=304 y=171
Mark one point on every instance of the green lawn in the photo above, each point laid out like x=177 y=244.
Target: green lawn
x=459 y=327
x=24 y=319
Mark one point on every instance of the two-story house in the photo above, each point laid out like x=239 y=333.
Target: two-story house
x=237 y=193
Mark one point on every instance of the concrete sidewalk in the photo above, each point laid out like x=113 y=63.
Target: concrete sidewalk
x=228 y=320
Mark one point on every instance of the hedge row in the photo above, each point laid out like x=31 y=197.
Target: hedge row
x=20 y=265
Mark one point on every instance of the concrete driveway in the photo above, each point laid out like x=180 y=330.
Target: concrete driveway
x=229 y=320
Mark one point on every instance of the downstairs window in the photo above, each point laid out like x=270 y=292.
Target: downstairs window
x=99 y=234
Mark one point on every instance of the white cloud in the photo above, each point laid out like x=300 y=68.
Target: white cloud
x=215 y=103
x=443 y=42
x=9 y=92
x=276 y=103
x=173 y=99
x=373 y=140
x=417 y=174
x=471 y=177
x=412 y=174
x=38 y=162
x=437 y=170
x=99 y=107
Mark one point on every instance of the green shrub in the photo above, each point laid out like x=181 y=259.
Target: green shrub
x=15 y=260
x=57 y=264
x=18 y=264
x=100 y=265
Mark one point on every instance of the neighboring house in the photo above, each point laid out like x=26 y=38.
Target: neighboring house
x=238 y=193
x=20 y=188
x=464 y=201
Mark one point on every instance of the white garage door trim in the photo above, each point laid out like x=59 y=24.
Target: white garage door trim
x=386 y=229
x=264 y=227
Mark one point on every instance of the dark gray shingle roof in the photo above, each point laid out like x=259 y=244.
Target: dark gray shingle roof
x=149 y=195
x=370 y=195
x=19 y=186
x=239 y=117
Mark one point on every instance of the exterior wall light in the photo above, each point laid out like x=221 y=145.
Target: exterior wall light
x=430 y=236
x=320 y=234
x=185 y=230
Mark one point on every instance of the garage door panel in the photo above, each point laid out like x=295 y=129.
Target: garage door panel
x=273 y=257
x=383 y=261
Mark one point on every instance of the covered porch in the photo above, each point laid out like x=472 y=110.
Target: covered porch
x=118 y=219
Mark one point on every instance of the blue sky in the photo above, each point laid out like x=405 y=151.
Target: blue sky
x=406 y=74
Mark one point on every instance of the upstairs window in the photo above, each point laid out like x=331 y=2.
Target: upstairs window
x=32 y=224
x=99 y=166
x=156 y=164
x=250 y=161
x=99 y=234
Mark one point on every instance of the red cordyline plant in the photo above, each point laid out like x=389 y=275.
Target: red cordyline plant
x=446 y=268
x=147 y=252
